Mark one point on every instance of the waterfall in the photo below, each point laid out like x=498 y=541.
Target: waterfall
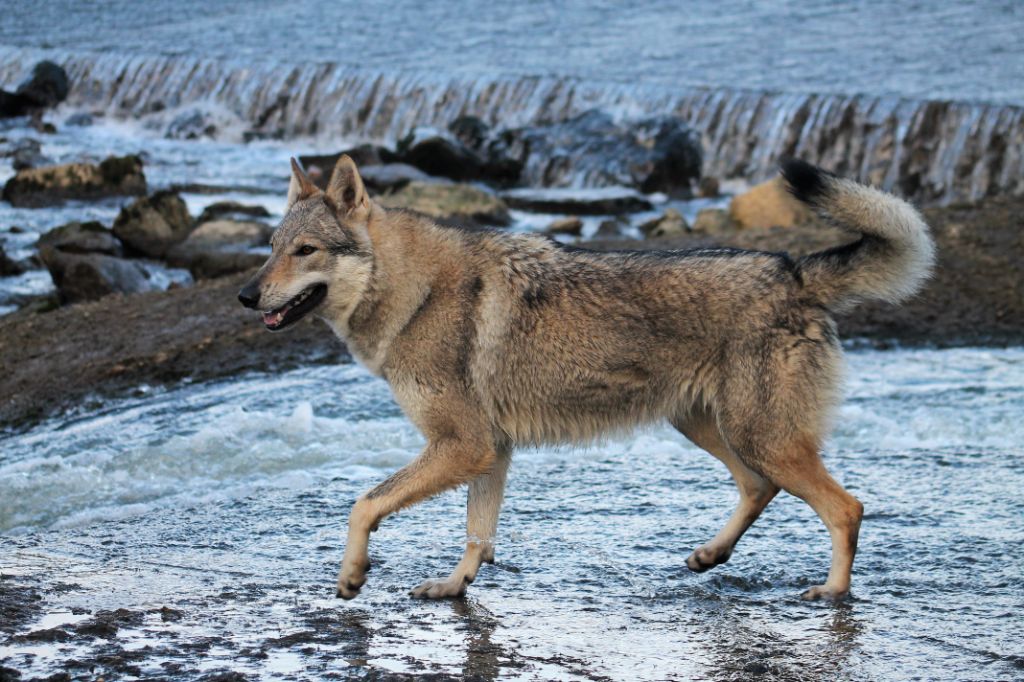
x=935 y=152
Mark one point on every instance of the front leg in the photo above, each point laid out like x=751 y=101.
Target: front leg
x=444 y=464
x=485 y=496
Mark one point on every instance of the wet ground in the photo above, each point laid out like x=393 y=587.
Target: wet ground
x=195 y=532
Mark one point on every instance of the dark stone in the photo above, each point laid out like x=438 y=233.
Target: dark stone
x=151 y=225
x=223 y=209
x=86 y=277
x=27 y=153
x=391 y=177
x=221 y=247
x=320 y=166
x=88 y=237
x=8 y=266
x=191 y=125
x=46 y=87
x=81 y=119
x=448 y=156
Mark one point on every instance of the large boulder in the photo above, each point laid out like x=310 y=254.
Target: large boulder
x=447 y=154
x=595 y=201
x=52 y=185
x=221 y=247
x=769 y=205
x=150 y=226
x=87 y=237
x=88 y=276
x=47 y=86
x=450 y=203
x=656 y=154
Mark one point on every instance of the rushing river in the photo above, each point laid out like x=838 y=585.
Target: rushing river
x=225 y=503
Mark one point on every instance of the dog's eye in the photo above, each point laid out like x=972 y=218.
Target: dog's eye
x=305 y=250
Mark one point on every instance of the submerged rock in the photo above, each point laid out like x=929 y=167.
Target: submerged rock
x=51 y=185
x=450 y=202
x=27 y=153
x=87 y=237
x=610 y=229
x=151 y=225
x=669 y=224
x=768 y=204
x=599 y=201
x=656 y=154
x=89 y=276
x=391 y=177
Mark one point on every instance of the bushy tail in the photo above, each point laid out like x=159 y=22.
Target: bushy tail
x=891 y=260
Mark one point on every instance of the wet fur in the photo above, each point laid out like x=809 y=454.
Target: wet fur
x=492 y=340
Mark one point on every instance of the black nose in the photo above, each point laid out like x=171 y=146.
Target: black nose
x=250 y=295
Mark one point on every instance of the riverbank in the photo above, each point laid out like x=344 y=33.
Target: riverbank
x=55 y=362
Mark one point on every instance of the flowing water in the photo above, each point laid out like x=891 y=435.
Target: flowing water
x=224 y=502
x=925 y=98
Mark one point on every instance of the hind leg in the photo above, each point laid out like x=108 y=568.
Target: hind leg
x=755 y=492
x=797 y=468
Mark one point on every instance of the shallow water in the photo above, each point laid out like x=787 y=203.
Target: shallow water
x=225 y=502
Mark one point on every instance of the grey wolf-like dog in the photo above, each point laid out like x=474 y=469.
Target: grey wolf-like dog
x=491 y=340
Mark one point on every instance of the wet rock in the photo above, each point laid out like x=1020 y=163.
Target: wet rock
x=8 y=266
x=51 y=185
x=26 y=153
x=599 y=201
x=87 y=237
x=221 y=247
x=9 y=674
x=443 y=154
x=391 y=177
x=231 y=209
x=151 y=225
x=709 y=188
x=46 y=87
x=191 y=125
x=670 y=224
x=610 y=229
x=656 y=154
x=714 y=221
x=319 y=166
x=89 y=276
x=458 y=203
x=768 y=205
x=571 y=225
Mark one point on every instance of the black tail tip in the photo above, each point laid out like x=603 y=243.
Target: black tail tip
x=806 y=182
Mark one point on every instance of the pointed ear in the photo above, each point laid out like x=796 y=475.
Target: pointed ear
x=300 y=187
x=346 y=189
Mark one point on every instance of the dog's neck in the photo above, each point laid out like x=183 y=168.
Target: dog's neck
x=397 y=285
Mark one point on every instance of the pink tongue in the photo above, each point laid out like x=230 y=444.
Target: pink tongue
x=274 y=319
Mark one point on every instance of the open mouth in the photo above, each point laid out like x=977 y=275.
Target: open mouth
x=295 y=309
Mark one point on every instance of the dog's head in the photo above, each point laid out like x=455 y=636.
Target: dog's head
x=321 y=255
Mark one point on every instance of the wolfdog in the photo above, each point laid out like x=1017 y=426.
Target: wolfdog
x=491 y=340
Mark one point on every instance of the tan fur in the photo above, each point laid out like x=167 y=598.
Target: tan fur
x=491 y=341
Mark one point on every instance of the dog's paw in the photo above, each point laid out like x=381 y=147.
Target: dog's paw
x=441 y=588
x=351 y=580
x=704 y=558
x=824 y=593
